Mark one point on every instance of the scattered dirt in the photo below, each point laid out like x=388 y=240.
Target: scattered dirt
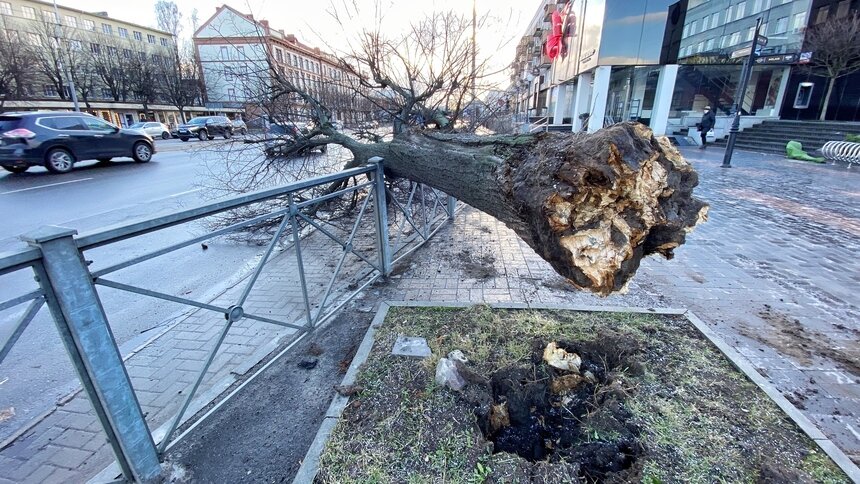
x=653 y=402
x=791 y=338
x=477 y=267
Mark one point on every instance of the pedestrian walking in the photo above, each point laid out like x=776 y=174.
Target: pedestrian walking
x=707 y=124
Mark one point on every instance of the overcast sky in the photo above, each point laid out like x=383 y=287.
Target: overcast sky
x=311 y=22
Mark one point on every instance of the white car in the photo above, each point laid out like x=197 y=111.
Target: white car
x=153 y=129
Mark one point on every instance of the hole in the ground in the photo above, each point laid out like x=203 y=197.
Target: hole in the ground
x=544 y=414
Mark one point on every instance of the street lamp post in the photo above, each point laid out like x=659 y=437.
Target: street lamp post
x=740 y=92
x=69 y=81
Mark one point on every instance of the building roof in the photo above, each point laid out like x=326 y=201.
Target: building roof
x=99 y=14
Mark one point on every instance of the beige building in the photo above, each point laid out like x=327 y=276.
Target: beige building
x=92 y=44
x=236 y=52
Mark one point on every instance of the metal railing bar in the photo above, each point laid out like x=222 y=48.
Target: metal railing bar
x=417 y=246
x=406 y=215
x=274 y=321
x=115 y=234
x=21 y=299
x=329 y=196
x=209 y=359
x=297 y=243
x=342 y=258
x=186 y=243
x=407 y=212
x=346 y=300
x=411 y=238
x=425 y=232
x=13 y=261
x=336 y=239
x=20 y=326
x=263 y=260
x=159 y=295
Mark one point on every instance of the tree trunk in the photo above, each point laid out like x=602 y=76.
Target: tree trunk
x=830 y=83
x=592 y=205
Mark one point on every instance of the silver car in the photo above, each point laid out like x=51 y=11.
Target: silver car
x=153 y=129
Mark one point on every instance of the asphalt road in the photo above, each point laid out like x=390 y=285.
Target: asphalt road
x=36 y=373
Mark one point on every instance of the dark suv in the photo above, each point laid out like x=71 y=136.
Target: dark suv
x=58 y=140
x=205 y=127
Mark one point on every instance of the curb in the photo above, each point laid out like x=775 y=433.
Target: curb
x=310 y=464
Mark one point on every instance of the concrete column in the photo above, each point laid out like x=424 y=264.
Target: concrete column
x=780 y=96
x=562 y=92
x=663 y=99
x=582 y=94
x=599 y=97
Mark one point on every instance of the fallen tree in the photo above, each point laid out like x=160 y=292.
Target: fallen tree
x=592 y=205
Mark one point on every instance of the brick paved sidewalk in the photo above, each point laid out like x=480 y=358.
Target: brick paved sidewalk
x=781 y=246
x=70 y=446
x=775 y=272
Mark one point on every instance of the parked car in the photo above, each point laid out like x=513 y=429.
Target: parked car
x=205 y=127
x=58 y=140
x=153 y=129
x=240 y=127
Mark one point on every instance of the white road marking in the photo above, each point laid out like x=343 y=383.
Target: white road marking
x=184 y=193
x=45 y=186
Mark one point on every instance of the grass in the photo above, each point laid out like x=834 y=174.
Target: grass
x=698 y=419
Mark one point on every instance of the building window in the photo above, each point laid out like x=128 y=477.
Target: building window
x=150 y=38
x=715 y=19
x=741 y=10
x=798 y=21
x=71 y=21
x=107 y=28
x=750 y=34
x=112 y=51
x=95 y=48
x=821 y=15
x=694 y=27
x=781 y=25
x=49 y=16
x=164 y=42
x=231 y=94
x=75 y=45
x=33 y=39
x=123 y=32
x=843 y=8
x=50 y=90
x=141 y=55
x=709 y=46
x=6 y=8
x=29 y=12
x=12 y=35
x=138 y=36
x=279 y=55
x=241 y=51
x=735 y=38
x=228 y=74
x=106 y=94
x=89 y=25
x=126 y=53
x=225 y=53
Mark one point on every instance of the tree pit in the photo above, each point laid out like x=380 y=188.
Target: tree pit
x=544 y=414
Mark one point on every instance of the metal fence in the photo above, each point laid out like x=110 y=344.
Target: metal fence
x=398 y=223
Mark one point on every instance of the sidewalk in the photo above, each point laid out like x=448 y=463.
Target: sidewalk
x=69 y=444
x=774 y=272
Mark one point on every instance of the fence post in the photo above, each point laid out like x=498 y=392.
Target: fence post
x=85 y=331
x=383 y=248
x=451 y=206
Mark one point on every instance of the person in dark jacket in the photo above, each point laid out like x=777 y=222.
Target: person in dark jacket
x=707 y=124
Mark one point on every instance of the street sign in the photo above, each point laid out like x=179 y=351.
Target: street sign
x=805 y=58
x=761 y=40
x=741 y=52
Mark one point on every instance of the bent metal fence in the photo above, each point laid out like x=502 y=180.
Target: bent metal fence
x=68 y=286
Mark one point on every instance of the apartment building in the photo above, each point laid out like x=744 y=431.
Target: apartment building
x=92 y=45
x=659 y=62
x=238 y=54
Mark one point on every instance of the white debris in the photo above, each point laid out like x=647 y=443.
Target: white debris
x=559 y=358
x=447 y=374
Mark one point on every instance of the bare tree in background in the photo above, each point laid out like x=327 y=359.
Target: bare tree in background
x=180 y=75
x=835 y=45
x=16 y=64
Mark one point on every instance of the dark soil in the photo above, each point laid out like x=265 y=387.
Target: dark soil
x=661 y=405
x=477 y=267
x=791 y=338
x=263 y=433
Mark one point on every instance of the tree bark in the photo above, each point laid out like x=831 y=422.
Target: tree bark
x=592 y=205
x=830 y=83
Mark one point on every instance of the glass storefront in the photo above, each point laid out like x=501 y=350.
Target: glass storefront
x=631 y=93
x=698 y=86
